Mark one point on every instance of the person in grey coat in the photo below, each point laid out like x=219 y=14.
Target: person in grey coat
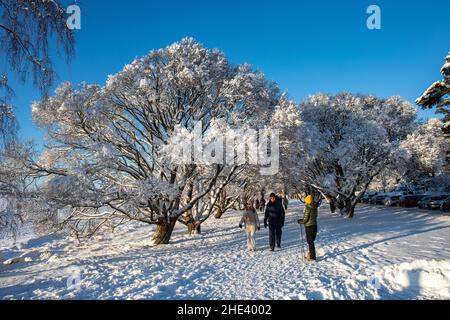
x=251 y=221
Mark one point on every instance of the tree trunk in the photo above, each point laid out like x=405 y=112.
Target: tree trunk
x=164 y=231
x=219 y=213
x=332 y=203
x=332 y=206
x=351 y=212
x=194 y=227
x=340 y=205
x=350 y=208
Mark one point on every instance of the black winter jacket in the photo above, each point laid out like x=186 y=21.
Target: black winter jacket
x=274 y=213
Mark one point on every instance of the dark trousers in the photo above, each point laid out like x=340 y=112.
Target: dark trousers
x=311 y=233
x=275 y=235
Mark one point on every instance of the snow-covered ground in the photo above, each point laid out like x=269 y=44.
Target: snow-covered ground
x=383 y=253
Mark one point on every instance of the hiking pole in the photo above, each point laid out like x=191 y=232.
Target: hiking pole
x=302 y=243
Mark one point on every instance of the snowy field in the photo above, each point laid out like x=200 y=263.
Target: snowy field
x=383 y=253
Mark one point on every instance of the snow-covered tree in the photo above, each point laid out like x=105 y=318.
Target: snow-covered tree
x=14 y=187
x=419 y=159
x=107 y=157
x=10 y=217
x=8 y=123
x=206 y=206
x=28 y=29
x=424 y=152
x=228 y=199
x=438 y=95
x=336 y=145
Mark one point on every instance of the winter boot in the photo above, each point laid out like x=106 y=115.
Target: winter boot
x=308 y=258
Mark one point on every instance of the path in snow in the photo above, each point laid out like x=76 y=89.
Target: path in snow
x=386 y=253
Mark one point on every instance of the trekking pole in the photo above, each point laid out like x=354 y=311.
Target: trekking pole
x=302 y=249
x=302 y=243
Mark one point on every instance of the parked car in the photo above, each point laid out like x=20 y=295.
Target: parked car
x=378 y=199
x=436 y=202
x=431 y=202
x=409 y=201
x=368 y=196
x=423 y=203
x=391 y=201
x=445 y=206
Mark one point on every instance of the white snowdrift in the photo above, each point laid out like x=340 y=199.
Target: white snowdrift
x=423 y=277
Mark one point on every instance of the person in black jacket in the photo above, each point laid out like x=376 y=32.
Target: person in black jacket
x=274 y=218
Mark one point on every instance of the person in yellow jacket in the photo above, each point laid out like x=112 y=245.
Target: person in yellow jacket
x=310 y=222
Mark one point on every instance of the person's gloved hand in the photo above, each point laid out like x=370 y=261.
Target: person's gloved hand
x=259 y=228
x=240 y=225
x=299 y=221
x=265 y=225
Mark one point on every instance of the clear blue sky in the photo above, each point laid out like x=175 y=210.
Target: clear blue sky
x=305 y=46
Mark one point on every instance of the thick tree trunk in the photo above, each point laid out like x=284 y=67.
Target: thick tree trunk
x=219 y=213
x=163 y=232
x=194 y=227
x=350 y=208
x=340 y=205
x=332 y=206
x=220 y=204
x=332 y=203
x=351 y=212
